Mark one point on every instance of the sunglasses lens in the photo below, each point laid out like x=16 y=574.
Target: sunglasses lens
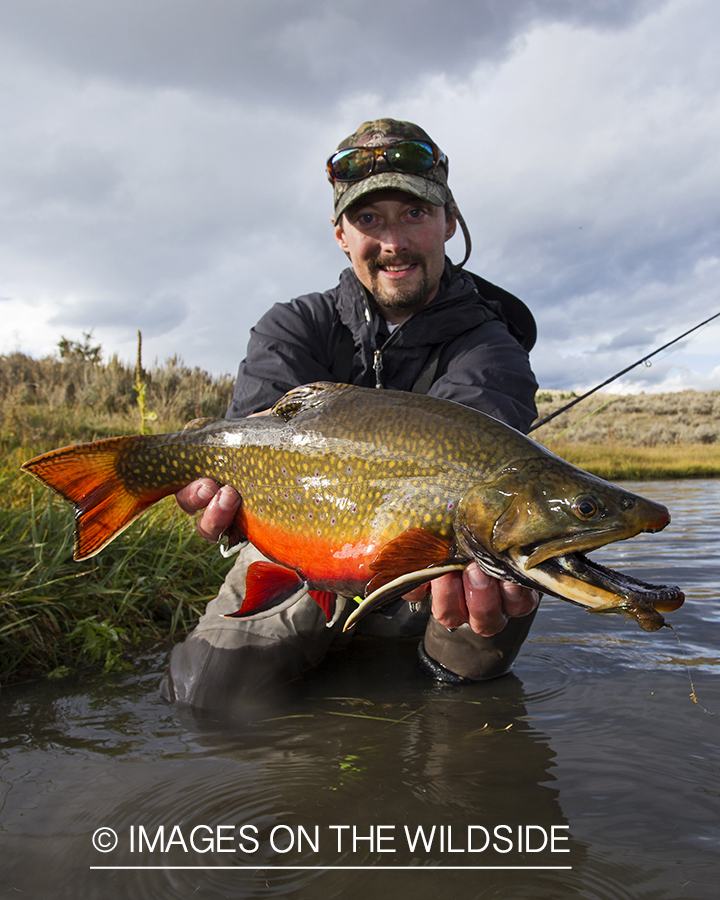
x=405 y=156
x=410 y=156
x=352 y=165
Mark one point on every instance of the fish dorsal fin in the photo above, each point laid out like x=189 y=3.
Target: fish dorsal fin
x=414 y=549
x=304 y=397
x=199 y=424
x=267 y=586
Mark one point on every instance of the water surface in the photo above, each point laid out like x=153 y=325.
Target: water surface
x=593 y=741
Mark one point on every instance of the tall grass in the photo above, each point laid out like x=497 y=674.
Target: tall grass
x=50 y=402
x=151 y=583
x=618 y=462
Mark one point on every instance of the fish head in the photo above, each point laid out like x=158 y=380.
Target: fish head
x=536 y=519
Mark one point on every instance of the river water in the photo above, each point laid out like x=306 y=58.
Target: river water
x=589 y=772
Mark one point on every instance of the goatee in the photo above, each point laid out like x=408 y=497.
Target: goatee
x=400 y=299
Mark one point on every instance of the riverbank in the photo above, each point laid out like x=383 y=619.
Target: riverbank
x=57 y=616
x=638 y=436
x=618 y=462
x=151 y=583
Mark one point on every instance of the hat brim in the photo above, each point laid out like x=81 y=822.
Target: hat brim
x=420 y=187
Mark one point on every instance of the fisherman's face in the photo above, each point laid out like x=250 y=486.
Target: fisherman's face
x=396 y=244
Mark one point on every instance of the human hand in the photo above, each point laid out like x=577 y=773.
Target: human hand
x=486 y=603
x=220 y=505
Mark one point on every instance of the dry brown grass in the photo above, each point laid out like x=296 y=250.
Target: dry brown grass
x=636 y=436
x=635 y=420
x=50 y=402
x=618 y=462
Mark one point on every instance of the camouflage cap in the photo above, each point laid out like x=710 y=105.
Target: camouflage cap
x=430 y=186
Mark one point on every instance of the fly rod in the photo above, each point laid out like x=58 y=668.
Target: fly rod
x=627 y=369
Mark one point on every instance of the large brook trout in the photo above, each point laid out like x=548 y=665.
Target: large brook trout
x=371 y=493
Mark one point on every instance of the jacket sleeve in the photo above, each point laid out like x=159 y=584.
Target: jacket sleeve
x=487 y=369
x=292 y=344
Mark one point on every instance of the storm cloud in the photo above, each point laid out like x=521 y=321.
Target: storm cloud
x=162 y=165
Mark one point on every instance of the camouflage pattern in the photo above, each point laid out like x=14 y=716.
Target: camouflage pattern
x=430 y=186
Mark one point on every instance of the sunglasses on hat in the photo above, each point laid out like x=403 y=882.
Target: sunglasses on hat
x=408 y=157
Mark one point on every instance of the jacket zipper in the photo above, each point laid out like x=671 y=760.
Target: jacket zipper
x=377 y=351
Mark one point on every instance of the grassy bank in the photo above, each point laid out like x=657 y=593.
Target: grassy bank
x=52 y=402
x=618 y=462
x=638 y=436
x=58 y=616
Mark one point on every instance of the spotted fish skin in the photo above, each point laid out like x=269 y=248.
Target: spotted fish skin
x=353 y=488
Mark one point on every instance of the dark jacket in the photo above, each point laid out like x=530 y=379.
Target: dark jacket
x=479 y=362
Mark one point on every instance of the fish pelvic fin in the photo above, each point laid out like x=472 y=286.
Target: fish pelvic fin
x=413 y=558
x=86 y=476
x=398 y=588
x=269 y=589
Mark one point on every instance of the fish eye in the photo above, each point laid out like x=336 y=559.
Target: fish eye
x=586 y=507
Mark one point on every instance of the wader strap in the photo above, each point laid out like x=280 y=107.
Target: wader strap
x=342 y=364
x=427 y=376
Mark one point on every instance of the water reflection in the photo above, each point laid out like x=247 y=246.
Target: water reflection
x=594 y=734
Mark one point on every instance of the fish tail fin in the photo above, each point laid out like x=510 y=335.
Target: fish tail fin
x=86 y=475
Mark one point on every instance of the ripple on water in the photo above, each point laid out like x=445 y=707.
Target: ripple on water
x=594 y=731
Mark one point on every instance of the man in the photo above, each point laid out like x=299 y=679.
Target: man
x=402 y=318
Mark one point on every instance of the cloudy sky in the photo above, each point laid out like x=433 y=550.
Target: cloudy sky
x=162 y=166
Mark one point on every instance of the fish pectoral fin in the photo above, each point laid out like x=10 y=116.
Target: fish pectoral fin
x=411 y=551
x=267 y=586
x=326 y=601
x=398 y=587
x=86 y=476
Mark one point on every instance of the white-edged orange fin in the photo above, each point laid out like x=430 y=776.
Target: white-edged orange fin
x=398 y=588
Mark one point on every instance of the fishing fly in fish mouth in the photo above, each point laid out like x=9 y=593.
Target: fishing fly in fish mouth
x=372 y=493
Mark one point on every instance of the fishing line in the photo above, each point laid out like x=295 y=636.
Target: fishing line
x=619 y=374
x=693 y=694
x=648 y=365
x=597 y=410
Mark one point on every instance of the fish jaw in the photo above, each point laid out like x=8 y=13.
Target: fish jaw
x=576 y=578
x=534 y=524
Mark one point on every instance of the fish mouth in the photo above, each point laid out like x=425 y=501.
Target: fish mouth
x=574 y=577
x=571 y=576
